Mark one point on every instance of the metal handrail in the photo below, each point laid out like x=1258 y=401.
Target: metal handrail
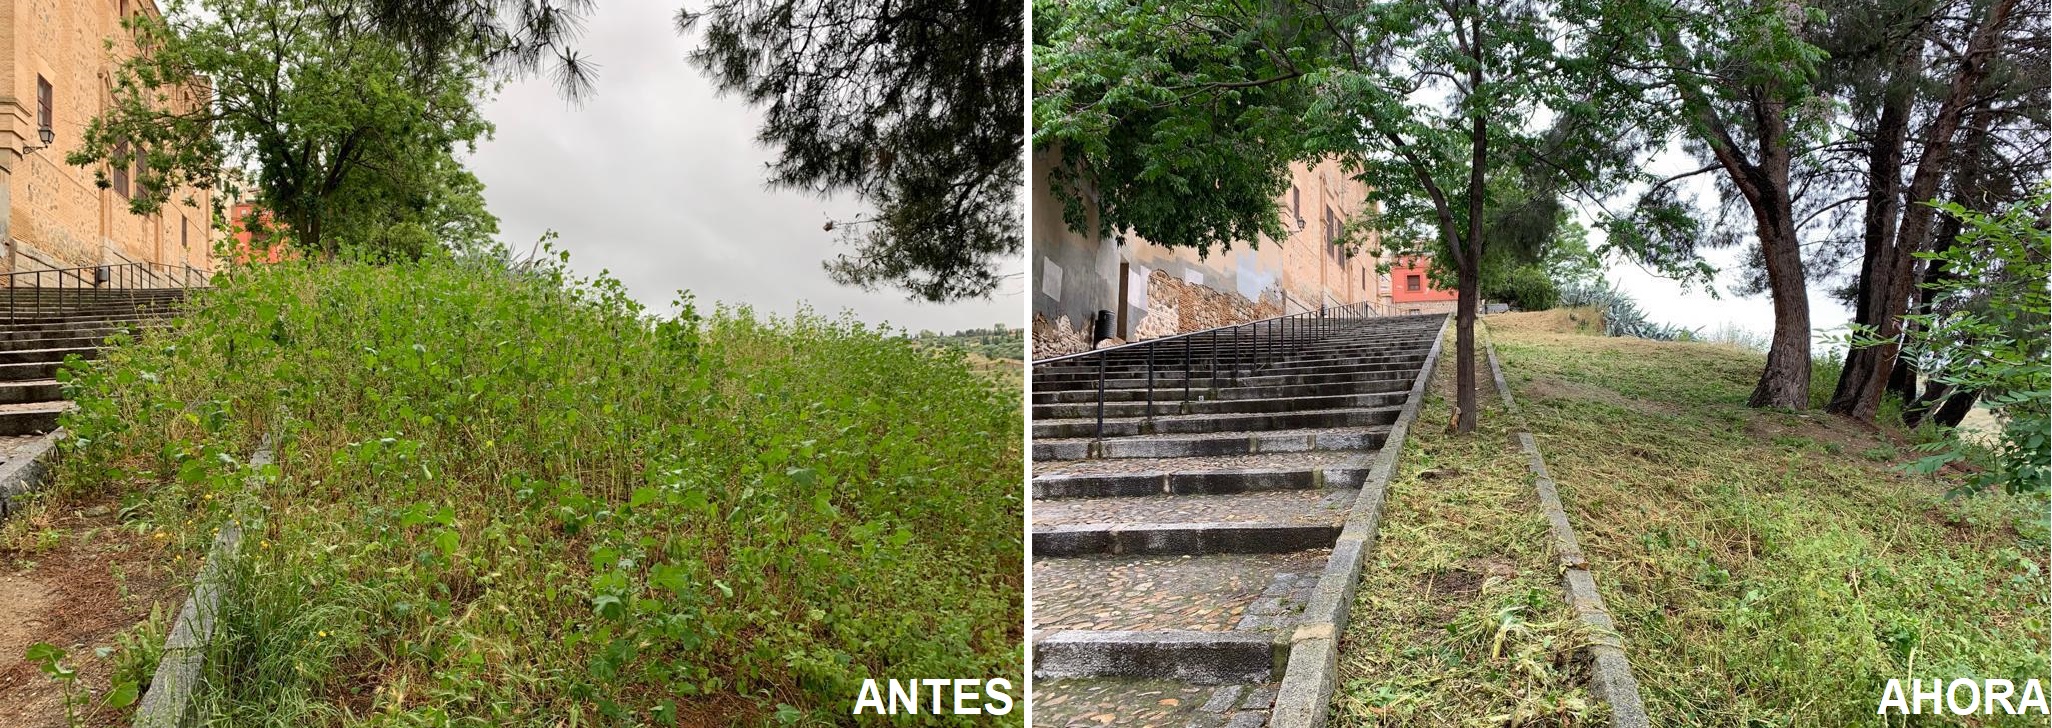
x=1368 y=305
x=1287 y=329
x=127 y=277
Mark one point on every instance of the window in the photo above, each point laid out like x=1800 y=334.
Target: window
x=120 y=169
x=1296 y=209
x=45 y=105
x=184 y=233
x=1411 y=283
x=142 y=168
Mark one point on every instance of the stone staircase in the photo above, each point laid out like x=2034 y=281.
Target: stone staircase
x=38 y=330
x=1173 y=555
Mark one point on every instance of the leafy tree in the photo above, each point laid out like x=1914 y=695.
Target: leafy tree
x=521 y=36
x=1739 y=81
x=1925 y=117
x=1177 y=121
x=1990 y=336
x=1173 y=121
x=348 y=131
x=913 y=106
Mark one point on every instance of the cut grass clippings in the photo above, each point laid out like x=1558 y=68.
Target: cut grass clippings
x=1768 y=568
x=1459 y=618
x=507 y=498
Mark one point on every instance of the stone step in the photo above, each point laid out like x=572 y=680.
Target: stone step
x=1228 y=443
x=1216 y=619
x=1217 y=406
x=1259 y=522
x=32 y=390
x=1227 y=422
x=26 y=371
x=63 y=342
x=1094 y=702
x=72 y=326
x=1368 y=385
x=1163 y=383
x=31 y=418
x=1201 y=369
x=26 y=322
x=23 y=356
x=1173 y=352
x=98 y=332
x=1199 y=475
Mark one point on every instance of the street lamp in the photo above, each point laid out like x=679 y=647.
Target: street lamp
x=46 y=134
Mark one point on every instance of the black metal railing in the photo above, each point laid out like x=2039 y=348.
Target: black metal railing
x=1247 y=348
x=56 y=287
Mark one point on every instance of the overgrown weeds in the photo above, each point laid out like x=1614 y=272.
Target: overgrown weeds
x=504 y=497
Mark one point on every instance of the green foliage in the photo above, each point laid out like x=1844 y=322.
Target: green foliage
x=998 y=342
x=1989 y=334
x=1175 y=121
x=915 y=106
x=1621 y=315
x=506 y=497
x=350 y=134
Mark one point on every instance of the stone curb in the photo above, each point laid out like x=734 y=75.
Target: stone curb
x=168 y=702
x=1312 y=672
x=1611 y=674
x=26 y=472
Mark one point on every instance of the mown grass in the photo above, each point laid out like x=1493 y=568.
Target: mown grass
x=1770 y=568
x=507 y=498
x=1459 y=617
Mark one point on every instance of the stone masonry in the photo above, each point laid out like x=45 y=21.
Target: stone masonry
x=52 y=214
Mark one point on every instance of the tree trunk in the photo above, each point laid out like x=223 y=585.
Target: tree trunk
x=1470 y=278
x=1786 y=380
x=1884 y=206
x=1785 y=383
x=1470 y=287
x=1903 y=381
x=1956 y=407
x=1918 y=219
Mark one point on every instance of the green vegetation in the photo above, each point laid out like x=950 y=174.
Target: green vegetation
x=1767 y=567
x=1619 y=313
x=1460 y=611
x=1989 y=336
x=503 y=497
x=996 y=342
x=349 y=131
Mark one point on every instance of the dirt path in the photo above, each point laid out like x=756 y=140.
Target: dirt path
x=75 y=579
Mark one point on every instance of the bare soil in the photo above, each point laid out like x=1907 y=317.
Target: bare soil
x=75 y=579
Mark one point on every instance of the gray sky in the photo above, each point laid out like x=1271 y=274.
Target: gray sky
x=1664 y=300
x=660 y=181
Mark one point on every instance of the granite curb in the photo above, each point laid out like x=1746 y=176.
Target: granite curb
x=27 y=471
x=168 y=701
x=1611 y=673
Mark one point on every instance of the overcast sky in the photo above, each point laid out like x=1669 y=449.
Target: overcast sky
x=660 y=181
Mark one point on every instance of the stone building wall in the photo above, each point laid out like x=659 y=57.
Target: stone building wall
x=1074 y=275
x=56 y=216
